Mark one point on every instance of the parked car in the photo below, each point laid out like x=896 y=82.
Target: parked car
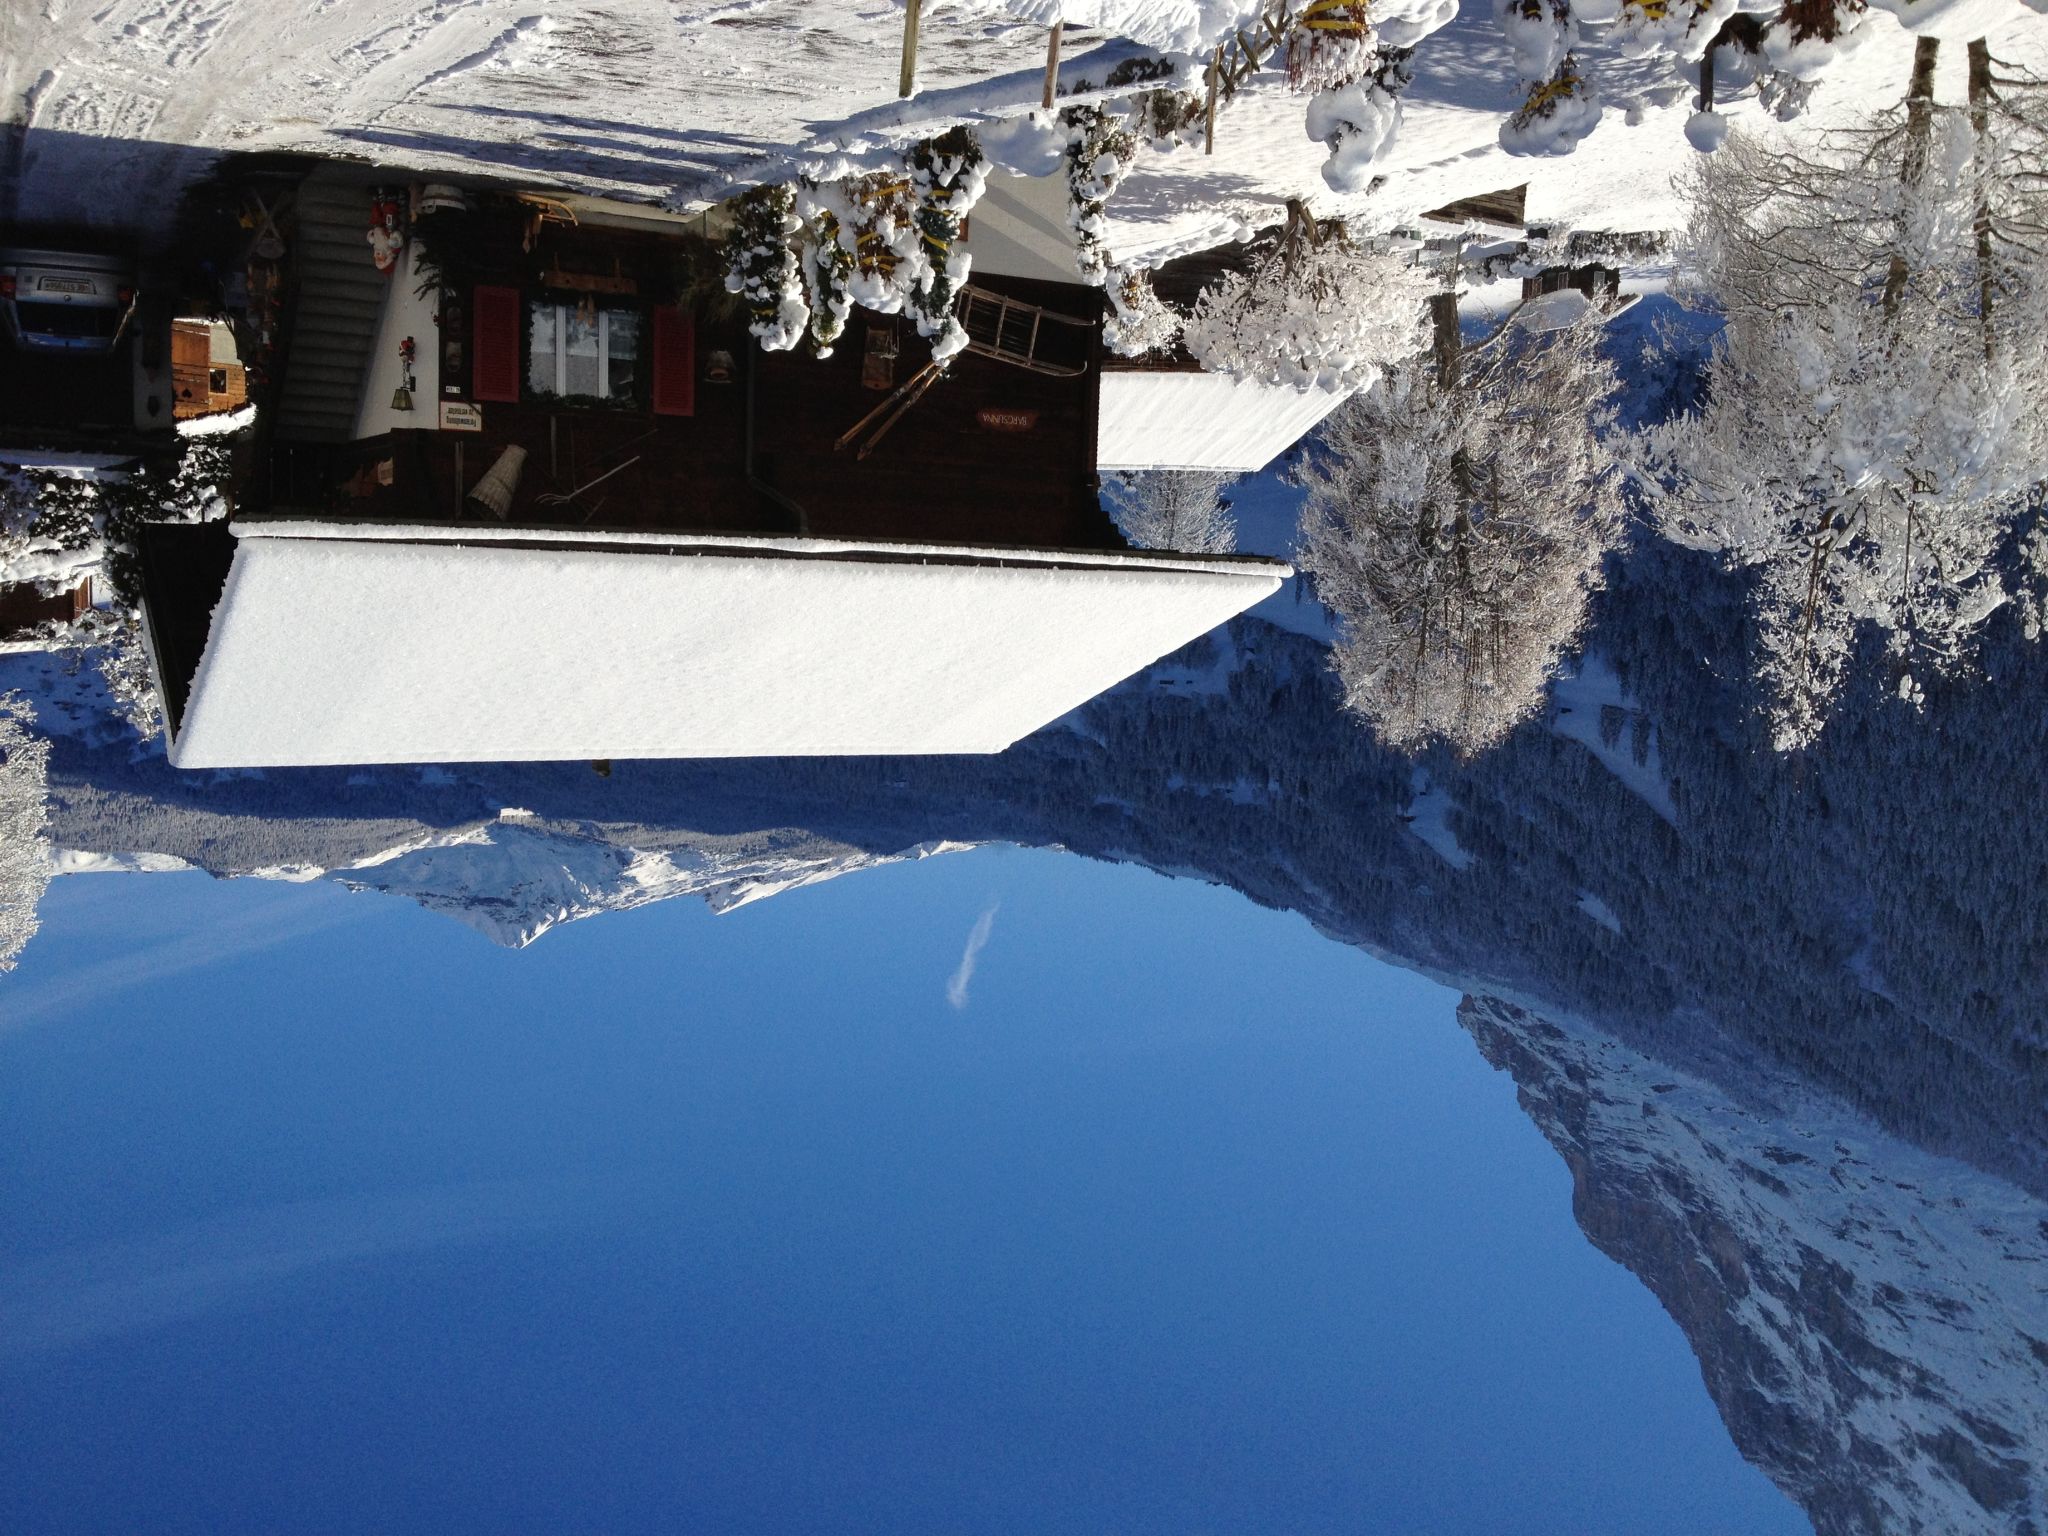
x=65 y=301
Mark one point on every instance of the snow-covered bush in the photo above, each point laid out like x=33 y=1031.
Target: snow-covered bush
x=761 y=266
x=827 y=263
x=1456 y=520
x=1167 y=118
x=1315 y=307
x=1359 y=121
x=947 y=175
x=1330 y=45
x=1140 y=323
x=1174 y=509
x=1557 y=114
x=24 y=820
x=872 y=225
x=1100 y=148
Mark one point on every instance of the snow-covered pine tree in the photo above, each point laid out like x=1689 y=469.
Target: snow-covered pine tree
x=947 y=175
x=1100 y=149
x=1456 y=521
x=1314 y=307
x=1877 y=409
x=1175 y=509
x=761 y=266
x=24 y=818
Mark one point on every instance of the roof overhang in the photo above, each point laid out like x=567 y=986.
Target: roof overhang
x=1161 y=419
x=353 y=643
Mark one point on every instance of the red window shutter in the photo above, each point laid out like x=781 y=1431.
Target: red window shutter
x=675 y=362
x=494 y=350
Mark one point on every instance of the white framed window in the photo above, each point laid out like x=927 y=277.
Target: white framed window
x=577 y=352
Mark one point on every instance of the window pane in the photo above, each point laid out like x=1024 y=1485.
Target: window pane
x=579 y=354
x=540 y=354
x=623 y=326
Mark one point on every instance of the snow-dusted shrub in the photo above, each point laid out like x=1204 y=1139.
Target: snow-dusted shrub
x=947 y=175
x=761 y=266
x=1540 y=35
x=1358 y=122
x=872 y=222
x=1455 y=522
x=1556 y=116
x=1140 y=323
x=1174 y=509
x=1682 y=28
x=1100 y=149
x=1330 y=45
x=24 y=822
x=827 y=263
x=1315 y=307
x=1167 y=118
x=1809 y=35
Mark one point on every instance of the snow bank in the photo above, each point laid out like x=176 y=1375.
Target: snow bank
x=478 y=651
x=219 y=423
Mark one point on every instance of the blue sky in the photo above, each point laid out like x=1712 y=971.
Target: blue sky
x=1162 y=1214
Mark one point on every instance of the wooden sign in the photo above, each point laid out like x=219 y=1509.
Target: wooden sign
x=998 y=419
x=461 y=416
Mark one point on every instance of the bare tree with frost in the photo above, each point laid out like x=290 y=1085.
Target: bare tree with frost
x=24 y=818
x=1456 y=521
x=1875 y=416
x=1316 y=307
x=1177 y=509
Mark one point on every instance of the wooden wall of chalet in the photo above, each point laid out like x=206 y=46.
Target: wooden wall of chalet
x=201 y=385
x=23 y=609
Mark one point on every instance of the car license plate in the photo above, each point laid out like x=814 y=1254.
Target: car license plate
x=63 y=285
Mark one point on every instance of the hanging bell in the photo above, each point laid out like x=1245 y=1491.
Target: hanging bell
x=401 y=399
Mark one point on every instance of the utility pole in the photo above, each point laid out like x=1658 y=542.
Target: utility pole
x=906 y=82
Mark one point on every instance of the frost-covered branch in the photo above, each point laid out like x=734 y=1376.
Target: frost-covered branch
x=1315 y=307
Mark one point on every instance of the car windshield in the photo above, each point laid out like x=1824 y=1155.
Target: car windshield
x=70 y=320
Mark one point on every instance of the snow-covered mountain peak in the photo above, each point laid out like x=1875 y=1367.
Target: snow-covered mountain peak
x=1871 y=1320
x=515 y=878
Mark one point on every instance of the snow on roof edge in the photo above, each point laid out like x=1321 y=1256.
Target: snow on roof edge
x=752 y=544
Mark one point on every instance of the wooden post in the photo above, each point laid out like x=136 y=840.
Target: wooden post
x=1052 y=62
x=1209 y=127
x=906 y=82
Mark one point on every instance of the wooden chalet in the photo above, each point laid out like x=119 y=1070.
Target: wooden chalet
x=561 y=392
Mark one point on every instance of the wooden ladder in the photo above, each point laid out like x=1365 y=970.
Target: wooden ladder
x=1243 y=54
x=1008 y=330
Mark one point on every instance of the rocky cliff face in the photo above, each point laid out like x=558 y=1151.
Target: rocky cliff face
x=1872 y=1322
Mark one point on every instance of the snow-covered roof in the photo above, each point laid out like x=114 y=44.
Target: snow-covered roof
x=346 y=643
x=1160 y=420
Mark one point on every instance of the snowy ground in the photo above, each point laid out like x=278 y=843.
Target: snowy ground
x=1624 y=177
x=110 y=106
